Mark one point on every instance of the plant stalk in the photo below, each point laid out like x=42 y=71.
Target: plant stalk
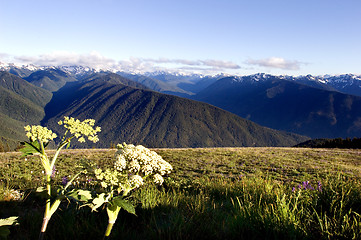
x=47 y=209
x=107 y=232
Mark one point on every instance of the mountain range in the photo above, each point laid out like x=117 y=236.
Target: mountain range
x=172 y=110
x=128 y=114
x=128 y=111
x=286 y=104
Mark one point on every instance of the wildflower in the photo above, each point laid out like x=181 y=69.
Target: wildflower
x=134 y=166
x=53 y=172
x=42 y=134
x=64 y=180
x=80 y=129
x=319 y=186
x=136 y=181
x=306 y=185
x=147 y=169
x=158 y=179
x=121 y=163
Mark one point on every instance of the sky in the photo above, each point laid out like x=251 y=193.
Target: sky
x=280 y=37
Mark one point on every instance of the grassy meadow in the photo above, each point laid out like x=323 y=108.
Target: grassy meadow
x=212 y=193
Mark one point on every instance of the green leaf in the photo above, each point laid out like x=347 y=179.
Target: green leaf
x=42 y=192
x=73 y=195
x=85 y=193
x=30 y=148
x=4 y=232
x=82 y=195
x=9 y=221
x=40 y=189
x=127 y=206
x=98 y=201
x=67 y=145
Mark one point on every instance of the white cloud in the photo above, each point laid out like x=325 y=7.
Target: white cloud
x=276 y=62
x=209 y=64
x=220 y=64
x=133 y=64
x=59 y=58
x=98 y=61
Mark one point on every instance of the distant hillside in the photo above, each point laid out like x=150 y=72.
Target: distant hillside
x=24 y=89
x=11 y=132
x=200 y=84
x=156 y=84
x=139 y=116
x=50 y=79
x=286 y=105
x=21 y=103
x=331 y=143
x=113 y=78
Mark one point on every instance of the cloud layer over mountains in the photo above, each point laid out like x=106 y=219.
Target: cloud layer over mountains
x=98 y=61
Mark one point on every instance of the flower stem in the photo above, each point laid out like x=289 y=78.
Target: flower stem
x=43 y=228
x=47 y=209
x=60 y=147
x=109 y=229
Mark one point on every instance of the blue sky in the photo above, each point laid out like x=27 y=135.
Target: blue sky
x=290 y=37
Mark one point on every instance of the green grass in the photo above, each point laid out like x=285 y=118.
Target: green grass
x=220 y=193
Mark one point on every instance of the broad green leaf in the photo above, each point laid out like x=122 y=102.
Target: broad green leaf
x=127 y=206
x=4 y=232
x=30 y=148
x=98 y=201
x=9 y=221
x=84 y=195
x=73 y=195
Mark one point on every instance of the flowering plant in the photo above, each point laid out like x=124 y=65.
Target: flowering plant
x=134 y=167
x=4 y=223
x=39 y=137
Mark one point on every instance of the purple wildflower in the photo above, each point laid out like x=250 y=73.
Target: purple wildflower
x=306 y=185
x=64 y=180
x=53 y=172
x=319 y=186
x=293 y=189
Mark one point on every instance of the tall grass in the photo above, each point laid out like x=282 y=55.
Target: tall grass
x=220 y=206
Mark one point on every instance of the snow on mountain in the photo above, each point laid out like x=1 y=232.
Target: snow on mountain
x=78 y=70
x=347 y=83
x=8 y=66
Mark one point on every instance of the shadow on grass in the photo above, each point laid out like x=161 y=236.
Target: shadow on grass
x=178 y=214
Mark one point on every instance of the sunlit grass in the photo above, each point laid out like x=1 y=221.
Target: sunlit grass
x=230 y=193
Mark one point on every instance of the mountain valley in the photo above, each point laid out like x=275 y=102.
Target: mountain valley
x=172 y=110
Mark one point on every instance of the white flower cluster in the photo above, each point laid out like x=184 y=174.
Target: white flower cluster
x=39 y=133
x=141 y=161
x=133 y=165
x=136 y=181
x=81 y=128
x=108 y=177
